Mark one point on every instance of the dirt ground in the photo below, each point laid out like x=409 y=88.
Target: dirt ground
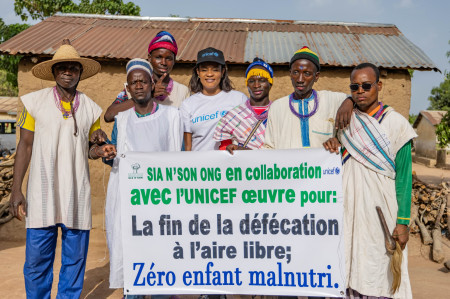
x=428 y=279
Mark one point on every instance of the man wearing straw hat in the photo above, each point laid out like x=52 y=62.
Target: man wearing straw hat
x=56 y=127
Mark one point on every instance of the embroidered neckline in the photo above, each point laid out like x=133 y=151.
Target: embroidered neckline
x=303 y=116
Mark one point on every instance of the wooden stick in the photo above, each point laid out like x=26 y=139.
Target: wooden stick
x=389 y=241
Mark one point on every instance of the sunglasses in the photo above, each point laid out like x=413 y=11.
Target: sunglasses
x=365 y=86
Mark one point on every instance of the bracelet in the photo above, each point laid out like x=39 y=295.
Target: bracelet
x=90 y=150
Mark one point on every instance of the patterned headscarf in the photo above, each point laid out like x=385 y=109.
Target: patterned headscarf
x=163 y=40
x=266 y=72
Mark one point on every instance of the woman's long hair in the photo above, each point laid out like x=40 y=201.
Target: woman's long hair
x=196 y=86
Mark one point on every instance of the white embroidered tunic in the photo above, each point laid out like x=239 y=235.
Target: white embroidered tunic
x=58 y=188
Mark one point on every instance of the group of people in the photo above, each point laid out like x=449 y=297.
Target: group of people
x=60 y=129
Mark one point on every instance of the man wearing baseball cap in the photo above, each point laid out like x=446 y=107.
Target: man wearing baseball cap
x=57 y=126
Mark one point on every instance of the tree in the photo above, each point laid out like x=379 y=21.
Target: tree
x=443 y=131
x=412 y=118
x=8 y=63
x=440 y=96
x=40 y=9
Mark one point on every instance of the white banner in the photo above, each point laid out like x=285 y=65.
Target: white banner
x=257 y=223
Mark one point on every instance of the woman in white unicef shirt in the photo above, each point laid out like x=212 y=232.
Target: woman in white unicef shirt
x=212 y=97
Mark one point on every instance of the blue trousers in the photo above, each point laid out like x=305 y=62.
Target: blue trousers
x=39 y=257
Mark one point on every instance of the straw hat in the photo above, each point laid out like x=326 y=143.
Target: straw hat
x=66 y=52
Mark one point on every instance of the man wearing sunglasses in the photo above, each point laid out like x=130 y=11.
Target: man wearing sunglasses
x=306 y=118
x=376 y=172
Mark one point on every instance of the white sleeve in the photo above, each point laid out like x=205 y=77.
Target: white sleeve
x=185 y=117
x=177 y=133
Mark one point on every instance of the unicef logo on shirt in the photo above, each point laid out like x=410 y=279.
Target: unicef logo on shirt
x=206 y=117
x=337 y=170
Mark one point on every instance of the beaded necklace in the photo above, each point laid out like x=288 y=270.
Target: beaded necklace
x=155 y=107
x=261 y=116
x=58 y=100
x=302 y=116
x=169 y=89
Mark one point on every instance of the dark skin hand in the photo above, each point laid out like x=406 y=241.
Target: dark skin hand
x=343 y=115
x=160 y=87
x=107 y=151
x=332 y=145
x=401 y=235
x=114 y=109
x=233 y=147
x=17 y=202
x=98 y=137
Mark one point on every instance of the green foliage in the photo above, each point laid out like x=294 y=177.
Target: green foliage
x=443 y=131
x=6 y=88
x=9 y=63
x=412 y=118
x=411 y=72
x=40 y=9
x=111 y=7
x=440 y=96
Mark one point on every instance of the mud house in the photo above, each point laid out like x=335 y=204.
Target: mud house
x=113 y=40
x=425 y=126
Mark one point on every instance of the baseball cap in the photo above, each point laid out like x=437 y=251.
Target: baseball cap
x=210 y=55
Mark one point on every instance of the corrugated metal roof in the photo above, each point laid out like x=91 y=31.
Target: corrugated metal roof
x=8 y=105
x=433 y=116
x=122 y=37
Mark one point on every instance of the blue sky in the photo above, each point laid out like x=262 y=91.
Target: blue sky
x=425 y=23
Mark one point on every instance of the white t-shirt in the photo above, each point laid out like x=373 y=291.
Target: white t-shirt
x=201 y=113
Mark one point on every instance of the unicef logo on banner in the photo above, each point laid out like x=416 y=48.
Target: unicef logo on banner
x=332 y=170
x=135 y=175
